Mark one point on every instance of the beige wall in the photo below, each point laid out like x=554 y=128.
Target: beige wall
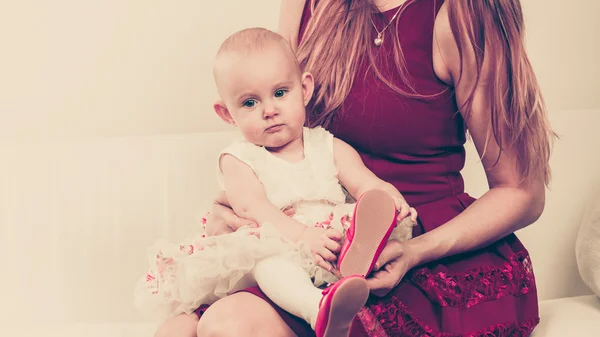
x=72 y=68
x=79 y=69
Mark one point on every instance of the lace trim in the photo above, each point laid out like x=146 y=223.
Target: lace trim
x=389 y=317
x=464 y=290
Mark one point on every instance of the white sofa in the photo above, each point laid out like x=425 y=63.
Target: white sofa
x=76 y=219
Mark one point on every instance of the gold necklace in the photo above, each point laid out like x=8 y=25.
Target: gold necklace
x=379 y=39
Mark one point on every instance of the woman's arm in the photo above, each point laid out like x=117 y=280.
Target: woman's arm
x=512 y=202
x=290 y=14
x=221 y=218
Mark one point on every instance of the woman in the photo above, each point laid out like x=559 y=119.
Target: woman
x=402 y=81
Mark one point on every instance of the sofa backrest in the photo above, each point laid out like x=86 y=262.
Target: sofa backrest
x=76 y=218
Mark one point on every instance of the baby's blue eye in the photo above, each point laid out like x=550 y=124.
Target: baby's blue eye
x=249 y=103
x=279 y=93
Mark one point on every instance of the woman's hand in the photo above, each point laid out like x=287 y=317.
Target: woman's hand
x=396 y=259
x=222 y=219
x=324 y=245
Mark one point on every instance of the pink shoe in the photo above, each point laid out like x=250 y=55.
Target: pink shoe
x=372 y=224
x=339 y=305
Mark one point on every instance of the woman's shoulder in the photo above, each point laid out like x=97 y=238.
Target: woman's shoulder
x=445 y=49
x=293 y=19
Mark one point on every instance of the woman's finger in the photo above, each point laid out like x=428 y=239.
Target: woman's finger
x=380 y=283
x=215 y=223
x=226 y=217
x=223 y=220
x=383 y=281
x=221 y=199
x=390 y=252
x=236 y=222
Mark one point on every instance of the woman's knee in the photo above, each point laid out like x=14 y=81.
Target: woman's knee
x=242 y=314
x=179 y=326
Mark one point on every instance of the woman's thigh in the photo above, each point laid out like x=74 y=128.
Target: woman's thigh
x=242 y=314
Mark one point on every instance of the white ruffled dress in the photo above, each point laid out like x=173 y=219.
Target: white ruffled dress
x=203 y=269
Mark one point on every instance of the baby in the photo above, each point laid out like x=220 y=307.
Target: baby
x=279 y=164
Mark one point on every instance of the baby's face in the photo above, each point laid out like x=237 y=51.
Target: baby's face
x=265 y=94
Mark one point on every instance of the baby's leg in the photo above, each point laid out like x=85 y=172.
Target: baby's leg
x=289 y=286
x=183 y=325
x=330 y=312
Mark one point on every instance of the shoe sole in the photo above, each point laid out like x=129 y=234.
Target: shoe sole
x=374 y=220
x=346 y=302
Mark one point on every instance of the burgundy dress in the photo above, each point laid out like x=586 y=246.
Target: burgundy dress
x=417 y=145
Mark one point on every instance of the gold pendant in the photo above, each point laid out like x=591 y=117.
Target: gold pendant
x=378 y=40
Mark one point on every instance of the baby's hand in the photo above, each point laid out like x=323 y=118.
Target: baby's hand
x=324 y=244
x=404 y=209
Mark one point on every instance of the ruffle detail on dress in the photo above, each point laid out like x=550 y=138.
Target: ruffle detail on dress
x=390 y=318
x=204 y=269
x=464 y=290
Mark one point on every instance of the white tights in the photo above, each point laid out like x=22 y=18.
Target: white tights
x=289 y=286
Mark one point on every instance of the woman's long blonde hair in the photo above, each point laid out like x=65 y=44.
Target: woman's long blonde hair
x=336 y=40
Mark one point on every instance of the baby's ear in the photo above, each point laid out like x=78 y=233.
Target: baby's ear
x=223 y=112
x=308 y=87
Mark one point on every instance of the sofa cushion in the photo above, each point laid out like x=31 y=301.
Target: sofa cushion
x=587 y=246
x=574 y=316
x=108 y=329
